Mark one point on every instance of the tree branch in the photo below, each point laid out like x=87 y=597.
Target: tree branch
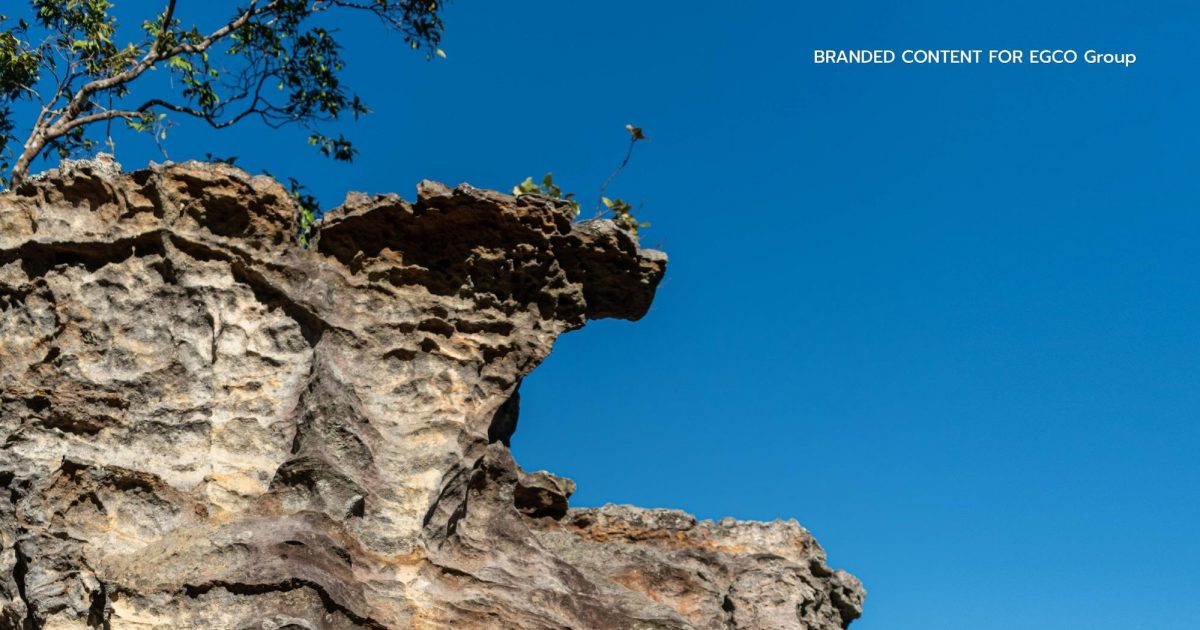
x=107 y=114
x=153 y=56
x=70 y=116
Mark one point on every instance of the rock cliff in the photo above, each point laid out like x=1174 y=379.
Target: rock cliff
x=204 y=426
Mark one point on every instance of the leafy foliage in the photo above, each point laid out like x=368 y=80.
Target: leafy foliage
x=230 y=160
x=547 y=188
x=622 y=211
x=307 y=211
x=18 y=72
x=271 y=60
x=623 y=214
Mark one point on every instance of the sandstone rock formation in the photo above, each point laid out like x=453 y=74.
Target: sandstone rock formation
x=204 y=426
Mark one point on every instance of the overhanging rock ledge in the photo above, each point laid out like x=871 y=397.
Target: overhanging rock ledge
x=205 y=426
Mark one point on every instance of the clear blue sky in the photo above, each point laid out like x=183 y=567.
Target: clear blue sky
x=946 y=317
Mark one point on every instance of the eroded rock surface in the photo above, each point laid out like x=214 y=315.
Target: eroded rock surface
x=204 y=426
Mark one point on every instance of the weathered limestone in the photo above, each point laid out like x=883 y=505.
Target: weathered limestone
x=204 y=426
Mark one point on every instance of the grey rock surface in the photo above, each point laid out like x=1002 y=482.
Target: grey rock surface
x=542 y=494
x=205 y=426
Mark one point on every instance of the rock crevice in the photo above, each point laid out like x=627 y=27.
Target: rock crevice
x=205 y=426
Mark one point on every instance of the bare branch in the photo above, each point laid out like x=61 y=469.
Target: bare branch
x=613 y=175
x=168 y=16
x=99 y=117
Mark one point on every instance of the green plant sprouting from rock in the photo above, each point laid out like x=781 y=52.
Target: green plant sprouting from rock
x=307 y=211
x=623 y=214
x=622 y=211
x=546 y=188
